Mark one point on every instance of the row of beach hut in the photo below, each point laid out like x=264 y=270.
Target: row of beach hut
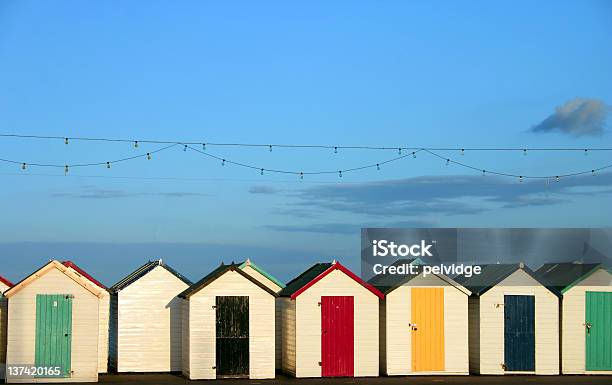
x=239 y=321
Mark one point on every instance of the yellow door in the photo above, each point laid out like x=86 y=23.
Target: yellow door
x=427 y=329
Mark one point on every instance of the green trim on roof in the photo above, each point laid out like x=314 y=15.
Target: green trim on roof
x=262 y=272
x=582 y=278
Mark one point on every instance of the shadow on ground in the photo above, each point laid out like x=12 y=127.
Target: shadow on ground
x=173 y=379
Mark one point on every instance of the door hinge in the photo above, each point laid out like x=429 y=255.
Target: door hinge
x=318 y=303
x=320 y=363
x=214 y=306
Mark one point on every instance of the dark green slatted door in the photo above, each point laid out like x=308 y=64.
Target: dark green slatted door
x=232 y=324
x=599 y=330
x=54 y=331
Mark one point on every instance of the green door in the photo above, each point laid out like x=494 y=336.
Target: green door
x=598 y=330
x=54 y=331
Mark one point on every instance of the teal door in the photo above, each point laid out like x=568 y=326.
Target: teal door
x=54 y=332
x=598 y=330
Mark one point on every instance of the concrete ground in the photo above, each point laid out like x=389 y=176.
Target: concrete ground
x=170 y=379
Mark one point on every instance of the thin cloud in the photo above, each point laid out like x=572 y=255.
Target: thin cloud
x=447 y=195
x=263 y=190
x=577 y=117
x=343 y=228
x=93 y=193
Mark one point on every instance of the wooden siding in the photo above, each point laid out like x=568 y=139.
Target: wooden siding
x=308 y=325
x=398 y=349
x=103 y=333
x=202 y=327
x=287 y=307
x=85 y=329
x=382 y=336
x=491 y=318
x=112 y=334
x=474 y=333
x=185 y=352
x=573 y=331
x=274 y=287
x=148 y=337
x=3 y=322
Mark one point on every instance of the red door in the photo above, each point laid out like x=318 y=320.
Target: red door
x=337 y=332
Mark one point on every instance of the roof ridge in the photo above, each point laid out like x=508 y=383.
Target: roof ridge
x=218 y=272
x=144 y=270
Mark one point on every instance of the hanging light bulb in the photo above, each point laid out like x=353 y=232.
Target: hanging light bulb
x=203 y=146
x=65 y=140
x=483 y=172
x=413 y=155
x=335 y=150
x=447 y=161
x=301 y=175
x=592 y=172
x=23 y=166
x=462 y=151
x=586 y=152
x=223 y=162
x=378 y=166
x=148 y=156
x=524 y=152
x=66 y=169
x=340 y=174
x=261 y=172
x=107 y=164
x=557 y=178
x=135 y=144
x=521 y=179
x=185 y=148
x=399 y=151
x=270 y=148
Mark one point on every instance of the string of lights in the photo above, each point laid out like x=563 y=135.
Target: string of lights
x=301 y=174
x=270 y=146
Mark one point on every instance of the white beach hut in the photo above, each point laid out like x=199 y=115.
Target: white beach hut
x=513 y=322
x=586 y=315
x=330 y=324
x=228 y=323
x=145 y=322
x=53 y=321
x=423 y=324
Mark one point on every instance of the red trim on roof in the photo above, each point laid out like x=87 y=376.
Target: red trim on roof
x=6 y=281
x=72 y=265
x=338 y=266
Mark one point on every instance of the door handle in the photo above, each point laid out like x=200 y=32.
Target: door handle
x=588 y=326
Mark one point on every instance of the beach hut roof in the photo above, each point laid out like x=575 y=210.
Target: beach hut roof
x=218 y=272
x=491 y=275
x=261 y=271
x=6 y=281
x=68 y=271
x=144 y=270
x=73 y=266
x=317 y=272
x=560 y=277
x=386 y=283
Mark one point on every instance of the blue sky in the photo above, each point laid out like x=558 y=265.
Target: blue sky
x=348 y=73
